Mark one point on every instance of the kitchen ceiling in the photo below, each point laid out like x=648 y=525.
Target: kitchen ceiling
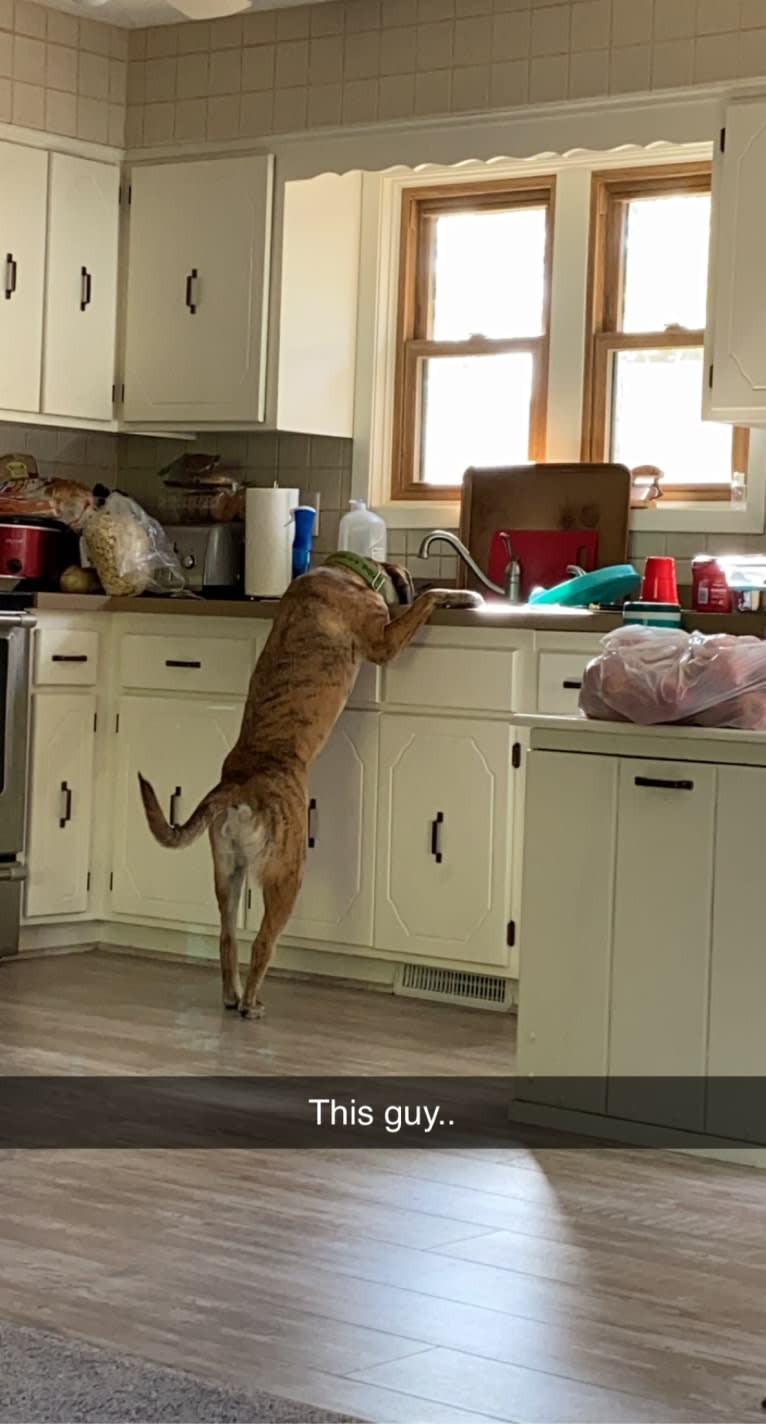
x=134 y=14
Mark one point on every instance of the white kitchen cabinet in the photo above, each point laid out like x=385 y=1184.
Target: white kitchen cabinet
x=61 y=803
x=444 y=839
x=81 y=288
x=179 y=745
x=23 y=206
x=735 y=354
x=570 y=829
x=196 y=306
x=319 y=289
x=336 y=900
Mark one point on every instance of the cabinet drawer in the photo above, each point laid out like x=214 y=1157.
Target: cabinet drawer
x=559 y=679
x=452 y=677
x=66 y=657
x=168 y=664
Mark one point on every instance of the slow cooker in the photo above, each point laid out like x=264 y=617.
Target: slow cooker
x=34 y=549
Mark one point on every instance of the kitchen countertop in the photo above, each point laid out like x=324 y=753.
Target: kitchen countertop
x=494 y=615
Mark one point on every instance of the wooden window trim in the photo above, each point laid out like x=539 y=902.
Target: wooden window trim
x=604 y=301
x=418 y=206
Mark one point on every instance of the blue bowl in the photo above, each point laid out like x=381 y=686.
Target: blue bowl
x=601 y=586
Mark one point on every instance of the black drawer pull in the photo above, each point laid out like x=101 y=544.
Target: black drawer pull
x=69 y=658
x=663 y=784
x=66 y=792
x=191 y=299
x=181 y=662
x=311 y=834
x=10 y=275
x=174 y=798
x=436 y=826
x=86 y=288
x=572 y=684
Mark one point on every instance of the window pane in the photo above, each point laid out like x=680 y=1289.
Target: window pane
x=488 y=274
x=666 y=259
x=656 y=420
x=475 y=411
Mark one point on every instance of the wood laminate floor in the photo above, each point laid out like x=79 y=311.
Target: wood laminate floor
x=427 y=1287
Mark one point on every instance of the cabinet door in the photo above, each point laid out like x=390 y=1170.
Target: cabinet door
x=321 y=225
x=737 y=1045
x=737 y=305
x=23 y=185
x=566 y=927
x=60 y=803
x=443 y=857
x=197 y=285
x=336 y=900
x=661 y=946
x=81 y=288
x=179 y=745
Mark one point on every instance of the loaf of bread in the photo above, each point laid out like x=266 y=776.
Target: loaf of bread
x=24 y=492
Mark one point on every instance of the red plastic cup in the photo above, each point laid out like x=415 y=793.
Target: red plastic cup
x=659 y=582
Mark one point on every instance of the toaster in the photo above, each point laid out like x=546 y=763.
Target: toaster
x=211 y=557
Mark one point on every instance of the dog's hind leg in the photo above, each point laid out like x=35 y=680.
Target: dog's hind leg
x=229 y=867
x=280 y=891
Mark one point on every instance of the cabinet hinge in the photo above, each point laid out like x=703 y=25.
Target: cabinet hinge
x=111 y=879
x=117 y=723
x=87 y=882
x=710 y=375
x=510 y=937
x=516 y=756
x=722 y=140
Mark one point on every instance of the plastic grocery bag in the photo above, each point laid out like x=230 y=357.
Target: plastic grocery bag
x=129 y=550
x=654 y=675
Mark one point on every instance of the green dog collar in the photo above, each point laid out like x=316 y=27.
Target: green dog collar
x=374 y=576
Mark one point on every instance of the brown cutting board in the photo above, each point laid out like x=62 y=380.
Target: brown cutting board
x=575 y=496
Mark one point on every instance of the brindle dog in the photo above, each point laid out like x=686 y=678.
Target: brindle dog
x=327 y=624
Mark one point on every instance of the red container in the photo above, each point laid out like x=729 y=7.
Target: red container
x=659 y=582
x=33 y=550
x=710 y=590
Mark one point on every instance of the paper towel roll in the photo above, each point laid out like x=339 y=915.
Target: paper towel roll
x=268 y=541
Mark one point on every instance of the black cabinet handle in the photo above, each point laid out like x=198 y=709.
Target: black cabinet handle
x=180 y=662
x=86 y=288
x=66 y=792
x=312 y=840
x=190 y=296
x=69 y=658
x=572 y=684
x=10 y=275
x=174 y=798
x=436 y=826
x=662 y=784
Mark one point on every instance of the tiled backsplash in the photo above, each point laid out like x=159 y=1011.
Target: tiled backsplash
x=363 y=61
x=61 y=73
x=67 y=454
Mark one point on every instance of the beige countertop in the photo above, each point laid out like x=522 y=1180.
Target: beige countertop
x=495 y=615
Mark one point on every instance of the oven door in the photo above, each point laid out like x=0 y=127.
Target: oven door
x=15 y=635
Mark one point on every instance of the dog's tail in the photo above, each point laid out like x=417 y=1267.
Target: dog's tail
x=176 y=837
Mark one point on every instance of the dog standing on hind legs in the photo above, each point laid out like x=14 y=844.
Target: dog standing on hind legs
x=328 y=623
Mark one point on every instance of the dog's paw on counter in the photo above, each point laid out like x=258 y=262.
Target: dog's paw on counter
x=459 y=598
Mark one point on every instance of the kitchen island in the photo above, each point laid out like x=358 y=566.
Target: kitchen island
x=641 y=911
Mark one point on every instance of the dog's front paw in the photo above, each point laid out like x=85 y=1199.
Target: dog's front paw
x=252 y=1011
x=459 y=598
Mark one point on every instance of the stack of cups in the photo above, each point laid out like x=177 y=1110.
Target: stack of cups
x=657 y=605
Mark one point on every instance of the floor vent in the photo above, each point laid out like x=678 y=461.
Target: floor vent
x=454 y=986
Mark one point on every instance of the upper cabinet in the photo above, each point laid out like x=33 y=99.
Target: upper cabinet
x=735 y=348
x=318 y=305
x=198 y=264
x=81 y=304
x=24 y=189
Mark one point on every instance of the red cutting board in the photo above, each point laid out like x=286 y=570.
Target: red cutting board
x=543 y=555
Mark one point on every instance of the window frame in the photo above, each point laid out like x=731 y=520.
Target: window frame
x=419 y=206
x=610 y=190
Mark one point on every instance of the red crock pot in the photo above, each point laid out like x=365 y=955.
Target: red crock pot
x=35 y=549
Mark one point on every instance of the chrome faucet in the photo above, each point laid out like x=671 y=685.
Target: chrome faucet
x=510 y=589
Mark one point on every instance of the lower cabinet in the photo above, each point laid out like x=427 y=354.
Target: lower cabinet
x=60 y=803
x=336 y=900
x=444 y=838
x=179 y=745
